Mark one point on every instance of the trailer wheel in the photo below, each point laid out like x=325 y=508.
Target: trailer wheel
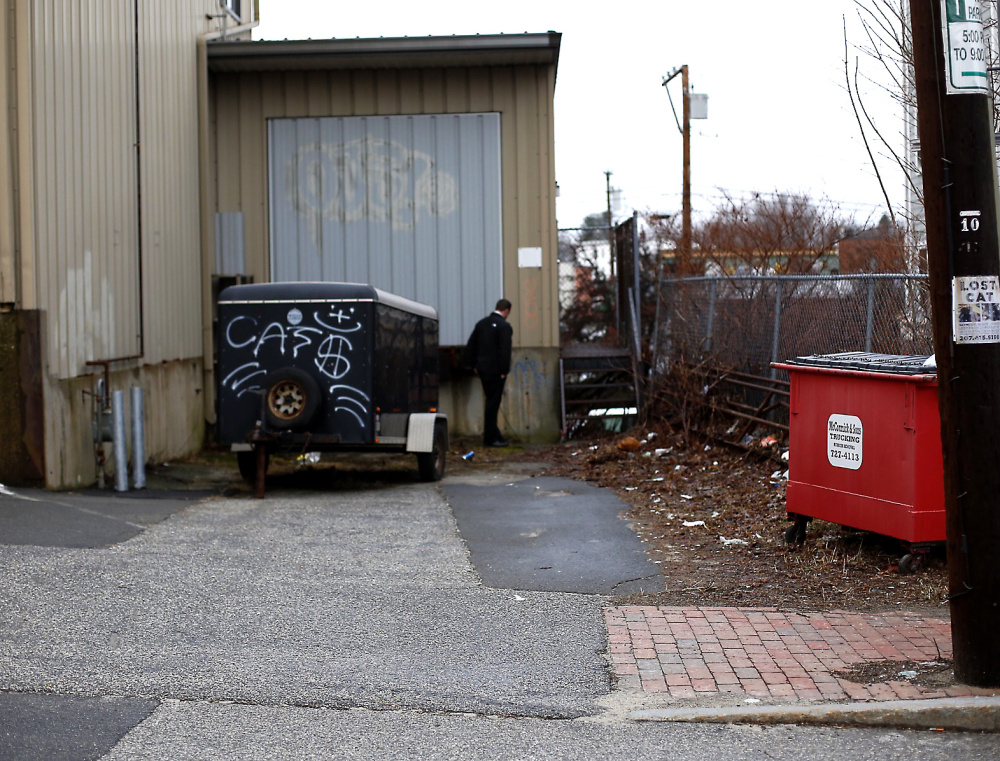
x=247 y=462
x=431 y=464
x=293 y=397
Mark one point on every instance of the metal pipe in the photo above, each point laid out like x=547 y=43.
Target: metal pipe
x=776 y=337
x=870 y=316
x=635 y=273
x=118 y=437
x=711 y=317
x=138 y=440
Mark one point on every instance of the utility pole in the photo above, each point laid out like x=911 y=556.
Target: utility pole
x=958 y=157
x=685 y=252
x=611 y=255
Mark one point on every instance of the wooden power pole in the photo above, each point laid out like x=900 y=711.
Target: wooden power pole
x=683 y=265
x=958 y=158
x=685 y=252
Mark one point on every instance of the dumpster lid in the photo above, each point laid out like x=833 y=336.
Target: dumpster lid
x=900 y=364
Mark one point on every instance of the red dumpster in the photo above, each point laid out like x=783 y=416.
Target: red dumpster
x=865 y=445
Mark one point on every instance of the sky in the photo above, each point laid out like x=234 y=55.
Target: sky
x=779 y=116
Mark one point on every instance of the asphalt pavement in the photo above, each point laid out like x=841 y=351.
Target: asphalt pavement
x=166 y=624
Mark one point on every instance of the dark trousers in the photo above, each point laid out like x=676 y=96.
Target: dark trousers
x=493 y=390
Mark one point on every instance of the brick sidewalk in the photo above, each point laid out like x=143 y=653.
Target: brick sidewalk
x=761 y=653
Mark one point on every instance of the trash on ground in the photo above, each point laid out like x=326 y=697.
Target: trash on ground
x=731 y=542
x=629 y=444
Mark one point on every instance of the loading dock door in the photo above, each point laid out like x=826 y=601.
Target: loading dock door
x=409 y=204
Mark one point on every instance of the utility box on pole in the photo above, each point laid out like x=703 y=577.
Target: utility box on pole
x=958 y=157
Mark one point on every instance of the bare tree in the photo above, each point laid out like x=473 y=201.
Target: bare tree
x=770 y=234
x=879 y=64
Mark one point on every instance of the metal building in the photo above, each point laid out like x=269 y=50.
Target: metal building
x=100 y=251
x=423 y=166
x=150 y=147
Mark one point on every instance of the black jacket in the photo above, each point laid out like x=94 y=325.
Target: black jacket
x=489 y=347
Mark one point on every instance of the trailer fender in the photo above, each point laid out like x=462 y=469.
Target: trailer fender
x=420 y=431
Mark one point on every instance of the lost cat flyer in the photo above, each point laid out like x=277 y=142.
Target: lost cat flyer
x=976 y=310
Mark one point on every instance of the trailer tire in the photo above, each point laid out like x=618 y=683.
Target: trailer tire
x=292 y=399
x=431 y=464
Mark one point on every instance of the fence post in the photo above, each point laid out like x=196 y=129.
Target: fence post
x=709 y=327
x=777 y=326
x=655 y=340
x=871 y=314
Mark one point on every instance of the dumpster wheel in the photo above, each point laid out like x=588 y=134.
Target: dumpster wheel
x=292 y=399
x=911 y=562
x=796 y=533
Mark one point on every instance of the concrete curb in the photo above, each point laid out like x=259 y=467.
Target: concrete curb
x=981 y=714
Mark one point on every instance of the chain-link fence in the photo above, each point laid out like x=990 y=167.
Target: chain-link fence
x=744 y=323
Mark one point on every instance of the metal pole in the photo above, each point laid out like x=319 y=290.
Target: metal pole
x=138 y=440
x=635 y=324
x=613 y=291
x=635 y=278
x=118 y=438
x=776 y=337
x=870 y=315
x=711 y=316
x=655 y=349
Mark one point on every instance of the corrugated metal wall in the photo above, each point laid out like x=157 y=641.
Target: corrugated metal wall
x=171 y=239
x=521 y=96
x=83 y=59
x=98 y=130
x=9 y=165
x=410 y=204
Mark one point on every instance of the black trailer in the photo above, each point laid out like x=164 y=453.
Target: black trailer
x=327 y=367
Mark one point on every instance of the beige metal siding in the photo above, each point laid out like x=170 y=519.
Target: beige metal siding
x=8 y=162
x=85 y=180
x=107 y=292
x=523 y=97
x=171 y=240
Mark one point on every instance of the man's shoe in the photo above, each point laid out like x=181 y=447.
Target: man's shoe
x=500 y=443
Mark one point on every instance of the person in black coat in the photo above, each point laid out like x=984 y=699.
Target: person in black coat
x=488 y=353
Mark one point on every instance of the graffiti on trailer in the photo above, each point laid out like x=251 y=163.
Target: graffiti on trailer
x=324 y=341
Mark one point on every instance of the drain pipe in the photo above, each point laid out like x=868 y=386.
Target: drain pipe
x=138 y=440
x=118 y=437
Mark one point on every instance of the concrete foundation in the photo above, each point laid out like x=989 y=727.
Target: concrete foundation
x=530 y=409
x=174 y=419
